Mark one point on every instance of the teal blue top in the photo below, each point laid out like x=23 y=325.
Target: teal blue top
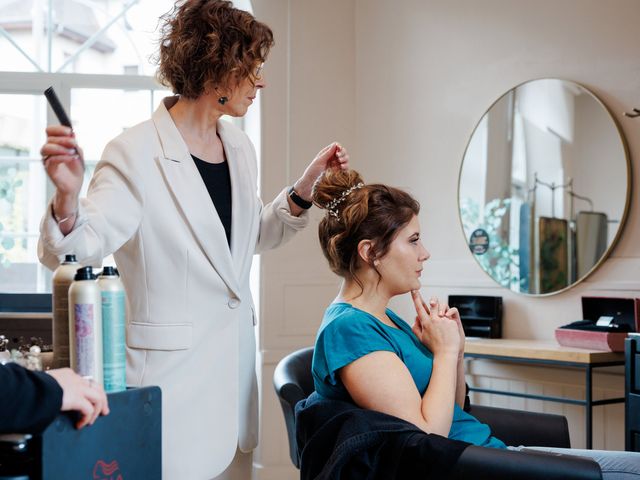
x=348 y=333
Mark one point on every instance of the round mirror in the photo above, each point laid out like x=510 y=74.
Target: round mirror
x=544 y=186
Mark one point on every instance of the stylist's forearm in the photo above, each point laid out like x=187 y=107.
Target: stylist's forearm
x=295 y=209
x=303 y=188
x=65 y=206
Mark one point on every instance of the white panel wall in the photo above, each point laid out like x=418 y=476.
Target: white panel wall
x=402 y=84
x=309 y=102
x=451 y=60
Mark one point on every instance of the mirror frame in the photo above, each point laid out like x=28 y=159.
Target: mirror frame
x=629 y=194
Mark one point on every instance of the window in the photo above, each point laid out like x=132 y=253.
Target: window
x=81 y=36
x=97 y=54
x=24 y=186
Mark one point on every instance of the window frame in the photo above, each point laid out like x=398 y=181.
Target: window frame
x=33 y=83
x=63 y=83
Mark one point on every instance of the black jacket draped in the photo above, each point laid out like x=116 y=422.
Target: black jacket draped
x=339 y=440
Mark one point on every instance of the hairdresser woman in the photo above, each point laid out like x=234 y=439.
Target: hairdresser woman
x=174 y=198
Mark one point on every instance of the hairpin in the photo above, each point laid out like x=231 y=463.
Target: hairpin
x=332 y=206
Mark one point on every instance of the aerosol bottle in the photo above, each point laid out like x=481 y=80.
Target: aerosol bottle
x=113 y=330
x=61 y=280
x=85 y=325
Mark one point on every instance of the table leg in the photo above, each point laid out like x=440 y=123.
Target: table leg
x=589 y=407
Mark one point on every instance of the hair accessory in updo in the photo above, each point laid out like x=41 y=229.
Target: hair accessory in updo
x=332 y=206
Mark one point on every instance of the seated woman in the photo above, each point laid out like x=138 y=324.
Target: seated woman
x=365 y=353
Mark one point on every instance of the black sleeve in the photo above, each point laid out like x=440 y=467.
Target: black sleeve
x=29 y=401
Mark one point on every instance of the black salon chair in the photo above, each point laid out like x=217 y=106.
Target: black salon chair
x=293 y=382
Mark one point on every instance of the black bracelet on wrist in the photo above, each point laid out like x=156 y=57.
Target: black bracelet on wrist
x=298 y=200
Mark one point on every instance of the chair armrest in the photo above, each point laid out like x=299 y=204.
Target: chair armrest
x=517 y=427
x=479 y=463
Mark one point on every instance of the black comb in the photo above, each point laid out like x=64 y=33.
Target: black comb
x=57 y=107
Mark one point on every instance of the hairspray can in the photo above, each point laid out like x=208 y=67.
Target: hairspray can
x=85 y=325
x=61 y=280
x=113 y=330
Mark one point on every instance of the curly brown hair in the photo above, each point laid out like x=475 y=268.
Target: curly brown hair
x=209 y=43
x=373 y=212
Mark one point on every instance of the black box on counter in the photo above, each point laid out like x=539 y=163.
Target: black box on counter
x=481 y=315
x=125 y=444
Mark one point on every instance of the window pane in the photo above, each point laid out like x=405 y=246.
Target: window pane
x=20 y=20
x=22 y=191
x=158 y=95
x=123 y=38
x=127 y=41
x=98 y=115
x=12 y=60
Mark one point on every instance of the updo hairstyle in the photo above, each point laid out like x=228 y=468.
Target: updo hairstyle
x=373 y=212
x=209 y=43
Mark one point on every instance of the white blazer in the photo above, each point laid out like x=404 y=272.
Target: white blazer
x=190 y=316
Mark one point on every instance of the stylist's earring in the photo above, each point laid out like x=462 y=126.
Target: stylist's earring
x=222 y=100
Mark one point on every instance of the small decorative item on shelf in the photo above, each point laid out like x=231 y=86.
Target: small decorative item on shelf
x=5 y=356
x=30 y=360
x=25 y=346
x=27 y=354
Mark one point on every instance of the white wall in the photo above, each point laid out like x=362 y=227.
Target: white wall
x=453 y=60
x=308 y=103
x=403 y=84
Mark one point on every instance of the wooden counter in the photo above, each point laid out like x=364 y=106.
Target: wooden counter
x=538 y=350
x=548 y=353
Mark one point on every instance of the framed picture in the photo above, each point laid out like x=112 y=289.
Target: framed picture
x=553 y=252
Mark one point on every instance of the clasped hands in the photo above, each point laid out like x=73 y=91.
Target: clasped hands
x=438 y=326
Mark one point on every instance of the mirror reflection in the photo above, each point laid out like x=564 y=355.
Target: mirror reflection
x=544 y=186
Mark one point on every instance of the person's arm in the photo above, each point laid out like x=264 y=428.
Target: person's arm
x=81 y=395
x=29 y=401
x=282 y=218
x=380 y=381
x=461 y=388
x=63 y=162
x=461 y=385
x=453 y=314
x=103 y=221
x=331 y=156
